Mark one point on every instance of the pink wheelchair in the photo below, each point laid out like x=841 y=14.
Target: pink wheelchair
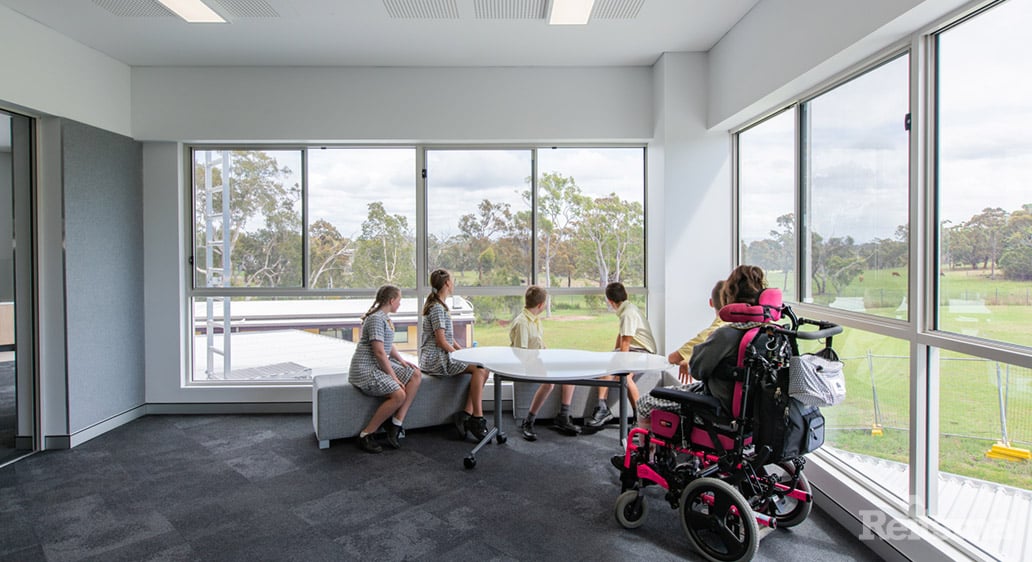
x=730 y=470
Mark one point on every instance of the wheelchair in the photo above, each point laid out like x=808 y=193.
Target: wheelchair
x=730 y=470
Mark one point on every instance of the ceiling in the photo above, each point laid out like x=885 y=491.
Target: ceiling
x=388 y=32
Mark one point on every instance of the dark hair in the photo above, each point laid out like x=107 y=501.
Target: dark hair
x=438 y=279
x=383 y=295
x=535 y=295
x=615 y=292
x=716 y=297
x=743 y=285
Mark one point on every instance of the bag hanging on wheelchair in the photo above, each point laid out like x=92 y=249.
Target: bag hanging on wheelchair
x=784 y=424
x=816 y=381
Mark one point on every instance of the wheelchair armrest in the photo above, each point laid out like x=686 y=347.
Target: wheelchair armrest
x=693 y=399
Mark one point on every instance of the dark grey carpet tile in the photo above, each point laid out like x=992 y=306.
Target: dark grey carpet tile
x=32 y=553
x=258 y=488
x=87 y=527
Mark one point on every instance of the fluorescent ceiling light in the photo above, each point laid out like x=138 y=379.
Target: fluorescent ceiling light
x=193 y=11
x=570 y=12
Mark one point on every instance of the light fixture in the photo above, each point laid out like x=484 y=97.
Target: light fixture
x=193 y=11
x=570 y=12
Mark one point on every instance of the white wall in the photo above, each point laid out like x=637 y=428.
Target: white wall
x=694 y=169
x=480 y=105
x=782 y=48
x=51 y=74
x=391 y=104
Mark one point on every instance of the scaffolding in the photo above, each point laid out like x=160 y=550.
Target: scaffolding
x=217 y=242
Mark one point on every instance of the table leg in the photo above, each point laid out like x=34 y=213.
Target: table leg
x=471 y=459
x=623 y=409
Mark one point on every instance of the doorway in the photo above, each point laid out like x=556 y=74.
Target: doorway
x=18 y=405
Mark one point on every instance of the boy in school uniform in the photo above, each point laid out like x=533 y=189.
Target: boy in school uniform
x=525 y=332
x=634 y=335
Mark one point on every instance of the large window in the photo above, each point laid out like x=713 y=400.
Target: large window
x=959 y=349
x=856 y=181
x=984 y=139
x=291 y=244
x=766 y=200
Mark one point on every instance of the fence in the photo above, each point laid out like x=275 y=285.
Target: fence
x=978 y=398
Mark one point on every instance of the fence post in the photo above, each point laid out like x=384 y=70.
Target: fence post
x=876 y=427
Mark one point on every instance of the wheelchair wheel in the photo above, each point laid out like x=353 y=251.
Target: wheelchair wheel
x=789 y=511
x=718 y=521
x=631 y=509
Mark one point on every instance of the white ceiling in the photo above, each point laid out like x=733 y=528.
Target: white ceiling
x=388 y=32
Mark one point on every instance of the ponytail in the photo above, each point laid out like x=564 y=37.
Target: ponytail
x=438 y=279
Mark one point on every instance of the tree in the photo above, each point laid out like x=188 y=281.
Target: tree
x=385 y=251
x=329 y=256
x=610 y=235
x=478 y=231
x=558 y=209
x=256 y=195
x=989 y=224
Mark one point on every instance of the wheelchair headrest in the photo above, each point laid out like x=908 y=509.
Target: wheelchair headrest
x=768 y=309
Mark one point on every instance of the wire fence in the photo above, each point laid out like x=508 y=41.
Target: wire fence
x=978 y=398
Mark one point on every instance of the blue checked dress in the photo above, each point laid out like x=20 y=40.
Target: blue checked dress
x=432 y=359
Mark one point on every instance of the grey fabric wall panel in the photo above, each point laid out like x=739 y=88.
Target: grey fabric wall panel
x=103 y=221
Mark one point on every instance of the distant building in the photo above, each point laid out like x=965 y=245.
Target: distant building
x=338 y=318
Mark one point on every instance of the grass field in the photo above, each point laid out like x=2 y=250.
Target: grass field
x=875 y=364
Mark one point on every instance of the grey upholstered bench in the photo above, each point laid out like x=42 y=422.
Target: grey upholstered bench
x=340 y=410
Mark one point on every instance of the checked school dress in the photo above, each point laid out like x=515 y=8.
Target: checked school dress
x=433 y=359
x=365 y=374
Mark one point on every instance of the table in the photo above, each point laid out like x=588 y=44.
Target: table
x=558 y=366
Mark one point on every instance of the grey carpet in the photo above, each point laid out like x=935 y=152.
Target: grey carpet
x=255 y=488
x=8 y=413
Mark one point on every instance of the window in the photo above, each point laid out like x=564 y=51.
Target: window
x=857 y=180
x=984 y=204
x=290 y=246
x=766 y=202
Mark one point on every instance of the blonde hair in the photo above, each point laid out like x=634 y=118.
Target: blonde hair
x=438 y=279
x=383 y=295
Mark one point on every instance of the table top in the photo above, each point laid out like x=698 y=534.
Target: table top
x=552 y=365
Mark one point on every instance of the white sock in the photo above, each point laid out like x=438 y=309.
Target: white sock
x=362 y=434
x=396 y=422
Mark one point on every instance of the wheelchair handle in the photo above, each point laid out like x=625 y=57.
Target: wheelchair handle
x=824 y=329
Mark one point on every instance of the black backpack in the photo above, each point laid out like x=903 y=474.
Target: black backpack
x=787 y=426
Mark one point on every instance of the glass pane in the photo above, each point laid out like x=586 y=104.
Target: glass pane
x=247 y=218
x=362 y=217
x=286 y=339
x=591 y=217
x=985 y=210
x=985 y=433
x=870 y=429
x=766 y=206
x=575 y=321
x=858 y=177
x=478 y=218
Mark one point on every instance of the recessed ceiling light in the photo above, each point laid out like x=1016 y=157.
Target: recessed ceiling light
x=193 y=11
x=570 y=12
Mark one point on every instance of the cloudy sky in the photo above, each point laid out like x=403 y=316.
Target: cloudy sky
x=859 y=152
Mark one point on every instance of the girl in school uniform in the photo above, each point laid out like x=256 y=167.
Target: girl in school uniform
x=435 y=347
x=377 y=369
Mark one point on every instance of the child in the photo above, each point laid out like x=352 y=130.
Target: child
x=681 y=357
x=377 y=369
x=525 y=332
x=634 y=335
x=435 y=347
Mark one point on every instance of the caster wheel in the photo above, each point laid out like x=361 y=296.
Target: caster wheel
x=501 y=438
x=469 y=462
x=631 y=509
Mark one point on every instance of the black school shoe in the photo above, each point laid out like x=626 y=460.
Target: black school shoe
x=599 y=416
x=527 y=429
x=369 y=444
x=394 y=434
x=476 y=426
x=459 y=420
x=563 y=425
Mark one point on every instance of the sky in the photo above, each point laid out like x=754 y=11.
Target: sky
x=859 y=151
